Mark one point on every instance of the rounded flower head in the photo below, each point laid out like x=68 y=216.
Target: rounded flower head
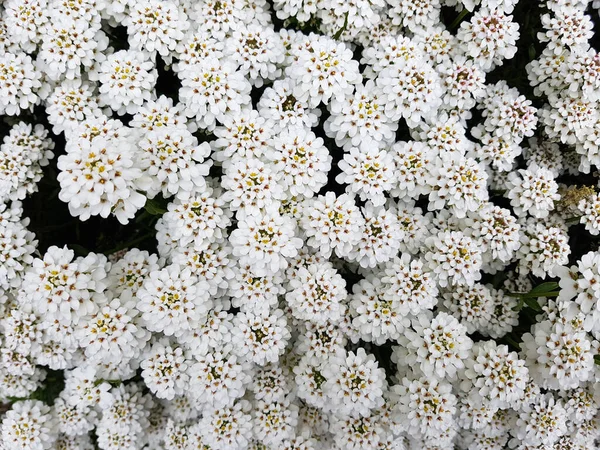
x=258 y=50
x=70 y=103
x=360 y=116
x=194 y=219
x=70 y=47
x=127 y=80
x=171 y=161
x=264 y=242
x=260 y=338
x=413 y=90
x=279 y=104
x=454 y=257
x=317 y=293
x=173 y=301
x=355 y=384
x=368 y=171
x=332 y=223
x=426 y=405
x=245 y=133
x=211 y=89
x=496 y=375
x=23 y=153
x=164 y=370
x=61 y=287
x=489 y=37
x=29 y=425
x=322 y=71
x=252 y=186
x=303 y=160
x=100 y=178
x=438 y=344
x=19 y=83
x=155 y=26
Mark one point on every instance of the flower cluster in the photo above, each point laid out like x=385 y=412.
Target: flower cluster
x=348 y=238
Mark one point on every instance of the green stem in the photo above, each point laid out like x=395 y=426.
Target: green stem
x=459 y=18
x=130 y=243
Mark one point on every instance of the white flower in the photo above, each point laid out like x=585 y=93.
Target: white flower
x=83 y=388
x=264 y=242
x=463 y=82
x=302 y=159
x=368 y=171
x=254 y=293
x=99 y=177
x=245 y=133
x=70 y=103
x=211 y=89
x=567 y=28
x=258 y=51
x=70 y=47
x=128 y=273
x=532 y=191
x=155 y=26
x=570 y=119
x=472 y=305
x=273 y=422
x=61 y=288
x=323 y=71
x=559 y=356
x=489 y=37
x=415 y=15
x=406 y=282
x=158 y=113
x=127 y=80
x=454 y=257
x=194 y=219
x=542 y=422
x=414 y=163
x=495 y=374
x=310 y=381
x=173 y=301
x=355 y=384
x=377 y=317
x=114 y=332
x=23 y=153
x=460 y=183
x=317 y=293
x=25 y=22
x=426 y=405
x=359 y=116
x=29 y=425
x=543 y=249
x=498 y=232
x=380 y=239
x=332 y=223
x=171 y=161
x=260 y=337
x=438 y=344
x=164 y=370
x=284 y=110
x=216 y=380
x=413 y=89
x=227 y=428
x=195 y=46
x=252 y=186
x=19 y=83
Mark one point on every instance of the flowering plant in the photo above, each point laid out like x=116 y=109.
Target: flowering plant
x=299 y=225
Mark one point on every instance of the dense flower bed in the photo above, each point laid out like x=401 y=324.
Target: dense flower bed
x=299 y=224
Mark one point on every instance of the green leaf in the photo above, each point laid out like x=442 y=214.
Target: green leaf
x=597 y=359
x=542 y=289
x=338 y=35
x=532 y=303
x=154 y=208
